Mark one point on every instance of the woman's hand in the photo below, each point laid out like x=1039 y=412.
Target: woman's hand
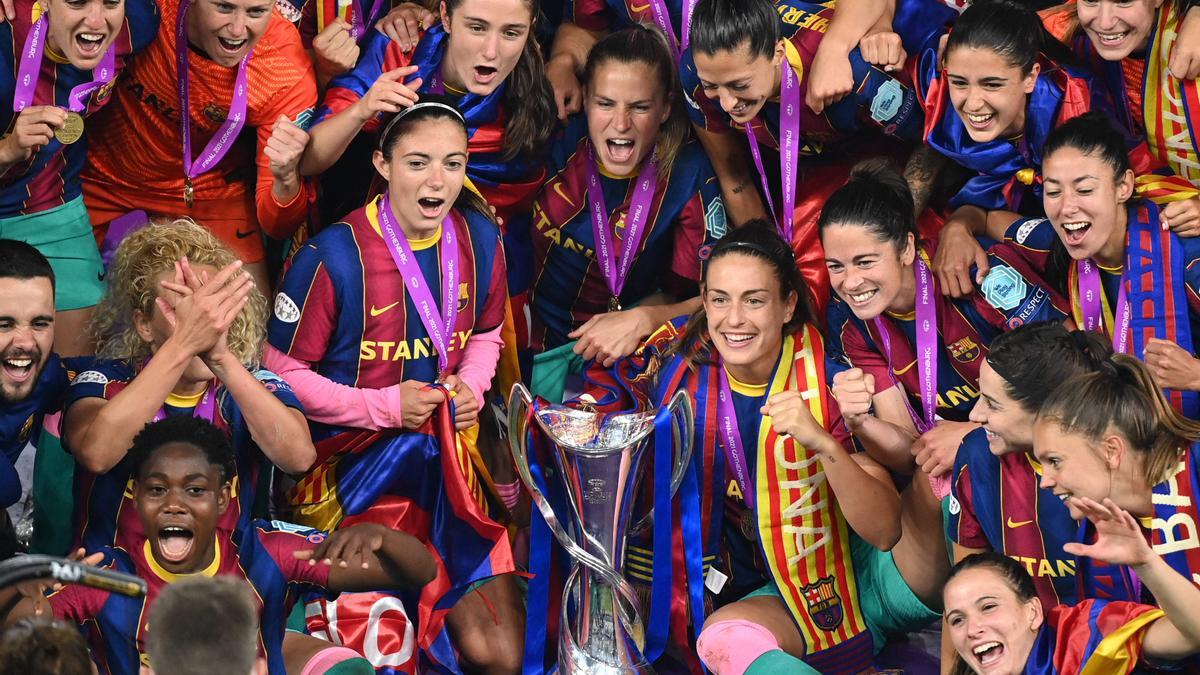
x=1183 y=217
x=790 y=416
x=854 y=391
x=348 y=546
x=466 y=407
x=417 y=402
x=957 y=251
x=389 y=94
x=612 y=335
x=936 y=449
x=1119 y=538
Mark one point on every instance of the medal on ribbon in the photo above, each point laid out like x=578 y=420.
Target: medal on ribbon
x=615 y=271
x=29 y=71
x=789 y=149
x=218 y=146
x=439 y=328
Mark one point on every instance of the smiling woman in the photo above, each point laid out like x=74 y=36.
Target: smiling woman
x=380 y=318
x=230 y=64
x=607 y=275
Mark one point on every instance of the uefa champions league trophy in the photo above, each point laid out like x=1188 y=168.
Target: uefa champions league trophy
x=597 y=457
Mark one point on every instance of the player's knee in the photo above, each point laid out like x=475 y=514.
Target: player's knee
x=494 y=651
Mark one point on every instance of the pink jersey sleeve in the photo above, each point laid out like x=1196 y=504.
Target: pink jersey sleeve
x=329 y=402
x=479 y=360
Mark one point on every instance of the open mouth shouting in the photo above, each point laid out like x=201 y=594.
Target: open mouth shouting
x=430 y=207
x=231 y=46
x=175 y=543
x=89 y=44
x=18 y=367
x=1075 y=232
x=988 y=654
x=485 y=74
x=620 y=150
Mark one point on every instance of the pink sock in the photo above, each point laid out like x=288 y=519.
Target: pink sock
x=729 y=647
x=327 y=658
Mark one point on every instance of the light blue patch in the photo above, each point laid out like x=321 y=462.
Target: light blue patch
x=305 y=118
x=887 y=101
x=1004 y=288
x=714 y=219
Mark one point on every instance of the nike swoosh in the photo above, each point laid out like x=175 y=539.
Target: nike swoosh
x=905 y=369
x=1012 y=525
x=376 y=312
x=638 y=9
x=243 y=235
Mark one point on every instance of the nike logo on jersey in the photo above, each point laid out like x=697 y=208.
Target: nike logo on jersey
x=1014 y=524
x=243 y=235
x=375 y=311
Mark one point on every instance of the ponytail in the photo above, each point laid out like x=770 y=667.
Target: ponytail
x=1123 y=395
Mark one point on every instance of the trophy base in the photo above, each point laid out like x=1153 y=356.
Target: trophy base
x=600 y=633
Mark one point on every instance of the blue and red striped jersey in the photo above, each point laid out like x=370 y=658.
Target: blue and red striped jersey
x=999 y=506
x=261 y=553
x=568 y=286
x=105 y=513
x=50 y=177
x=342 y=305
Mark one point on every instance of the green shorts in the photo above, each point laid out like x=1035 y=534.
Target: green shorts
x=64 y=235
x=551 y=369
x=889 y=606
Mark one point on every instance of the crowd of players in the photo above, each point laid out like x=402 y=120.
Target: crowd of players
x=927 y=268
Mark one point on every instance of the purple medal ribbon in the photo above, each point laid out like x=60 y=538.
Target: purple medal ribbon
x=789 y=150
x=440 y=328
x=31 y=66
x=927 y=360
x=662 y=19
x=205 y=409
x=1089 y=303
x=357 y=25
x=731 y=437
x=615 y=271
x=222 y=141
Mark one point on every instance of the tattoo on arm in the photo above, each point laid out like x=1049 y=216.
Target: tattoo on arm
x=921 y=172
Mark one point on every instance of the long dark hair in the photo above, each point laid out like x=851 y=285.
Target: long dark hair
x=726 y=25
x=645 y=44
x=758 y=239
x=406 y=121
x=1010 y=29
x=529 y=100
x=1123 y=395
x=1010 y=571
x=1091 y=134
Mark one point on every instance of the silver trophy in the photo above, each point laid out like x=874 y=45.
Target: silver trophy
x=597 y=457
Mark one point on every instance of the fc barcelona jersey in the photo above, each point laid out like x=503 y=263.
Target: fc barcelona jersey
x=878 y=100
x=342 y=306
x=261 y=554
x=105 y=515
x=568 y=287
x=50 y=177
x=1008 y=298
x=998 y=505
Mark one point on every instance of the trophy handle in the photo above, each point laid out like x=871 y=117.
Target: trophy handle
x=683 y=434
x=520 y=401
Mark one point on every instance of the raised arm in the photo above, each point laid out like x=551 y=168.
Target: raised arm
x=1119 y=541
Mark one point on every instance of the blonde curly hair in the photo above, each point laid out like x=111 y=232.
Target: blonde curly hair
x=132 y=285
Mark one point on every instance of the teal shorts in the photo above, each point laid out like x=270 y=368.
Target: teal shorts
x=64 y=235
x=889 y=606
x=551 y=370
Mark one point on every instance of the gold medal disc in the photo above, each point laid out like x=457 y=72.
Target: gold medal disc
x=614 y=304
x=72 y=130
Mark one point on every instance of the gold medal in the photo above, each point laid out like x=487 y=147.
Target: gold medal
x=614 y=304
x=189 y=194
x=70 y=131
